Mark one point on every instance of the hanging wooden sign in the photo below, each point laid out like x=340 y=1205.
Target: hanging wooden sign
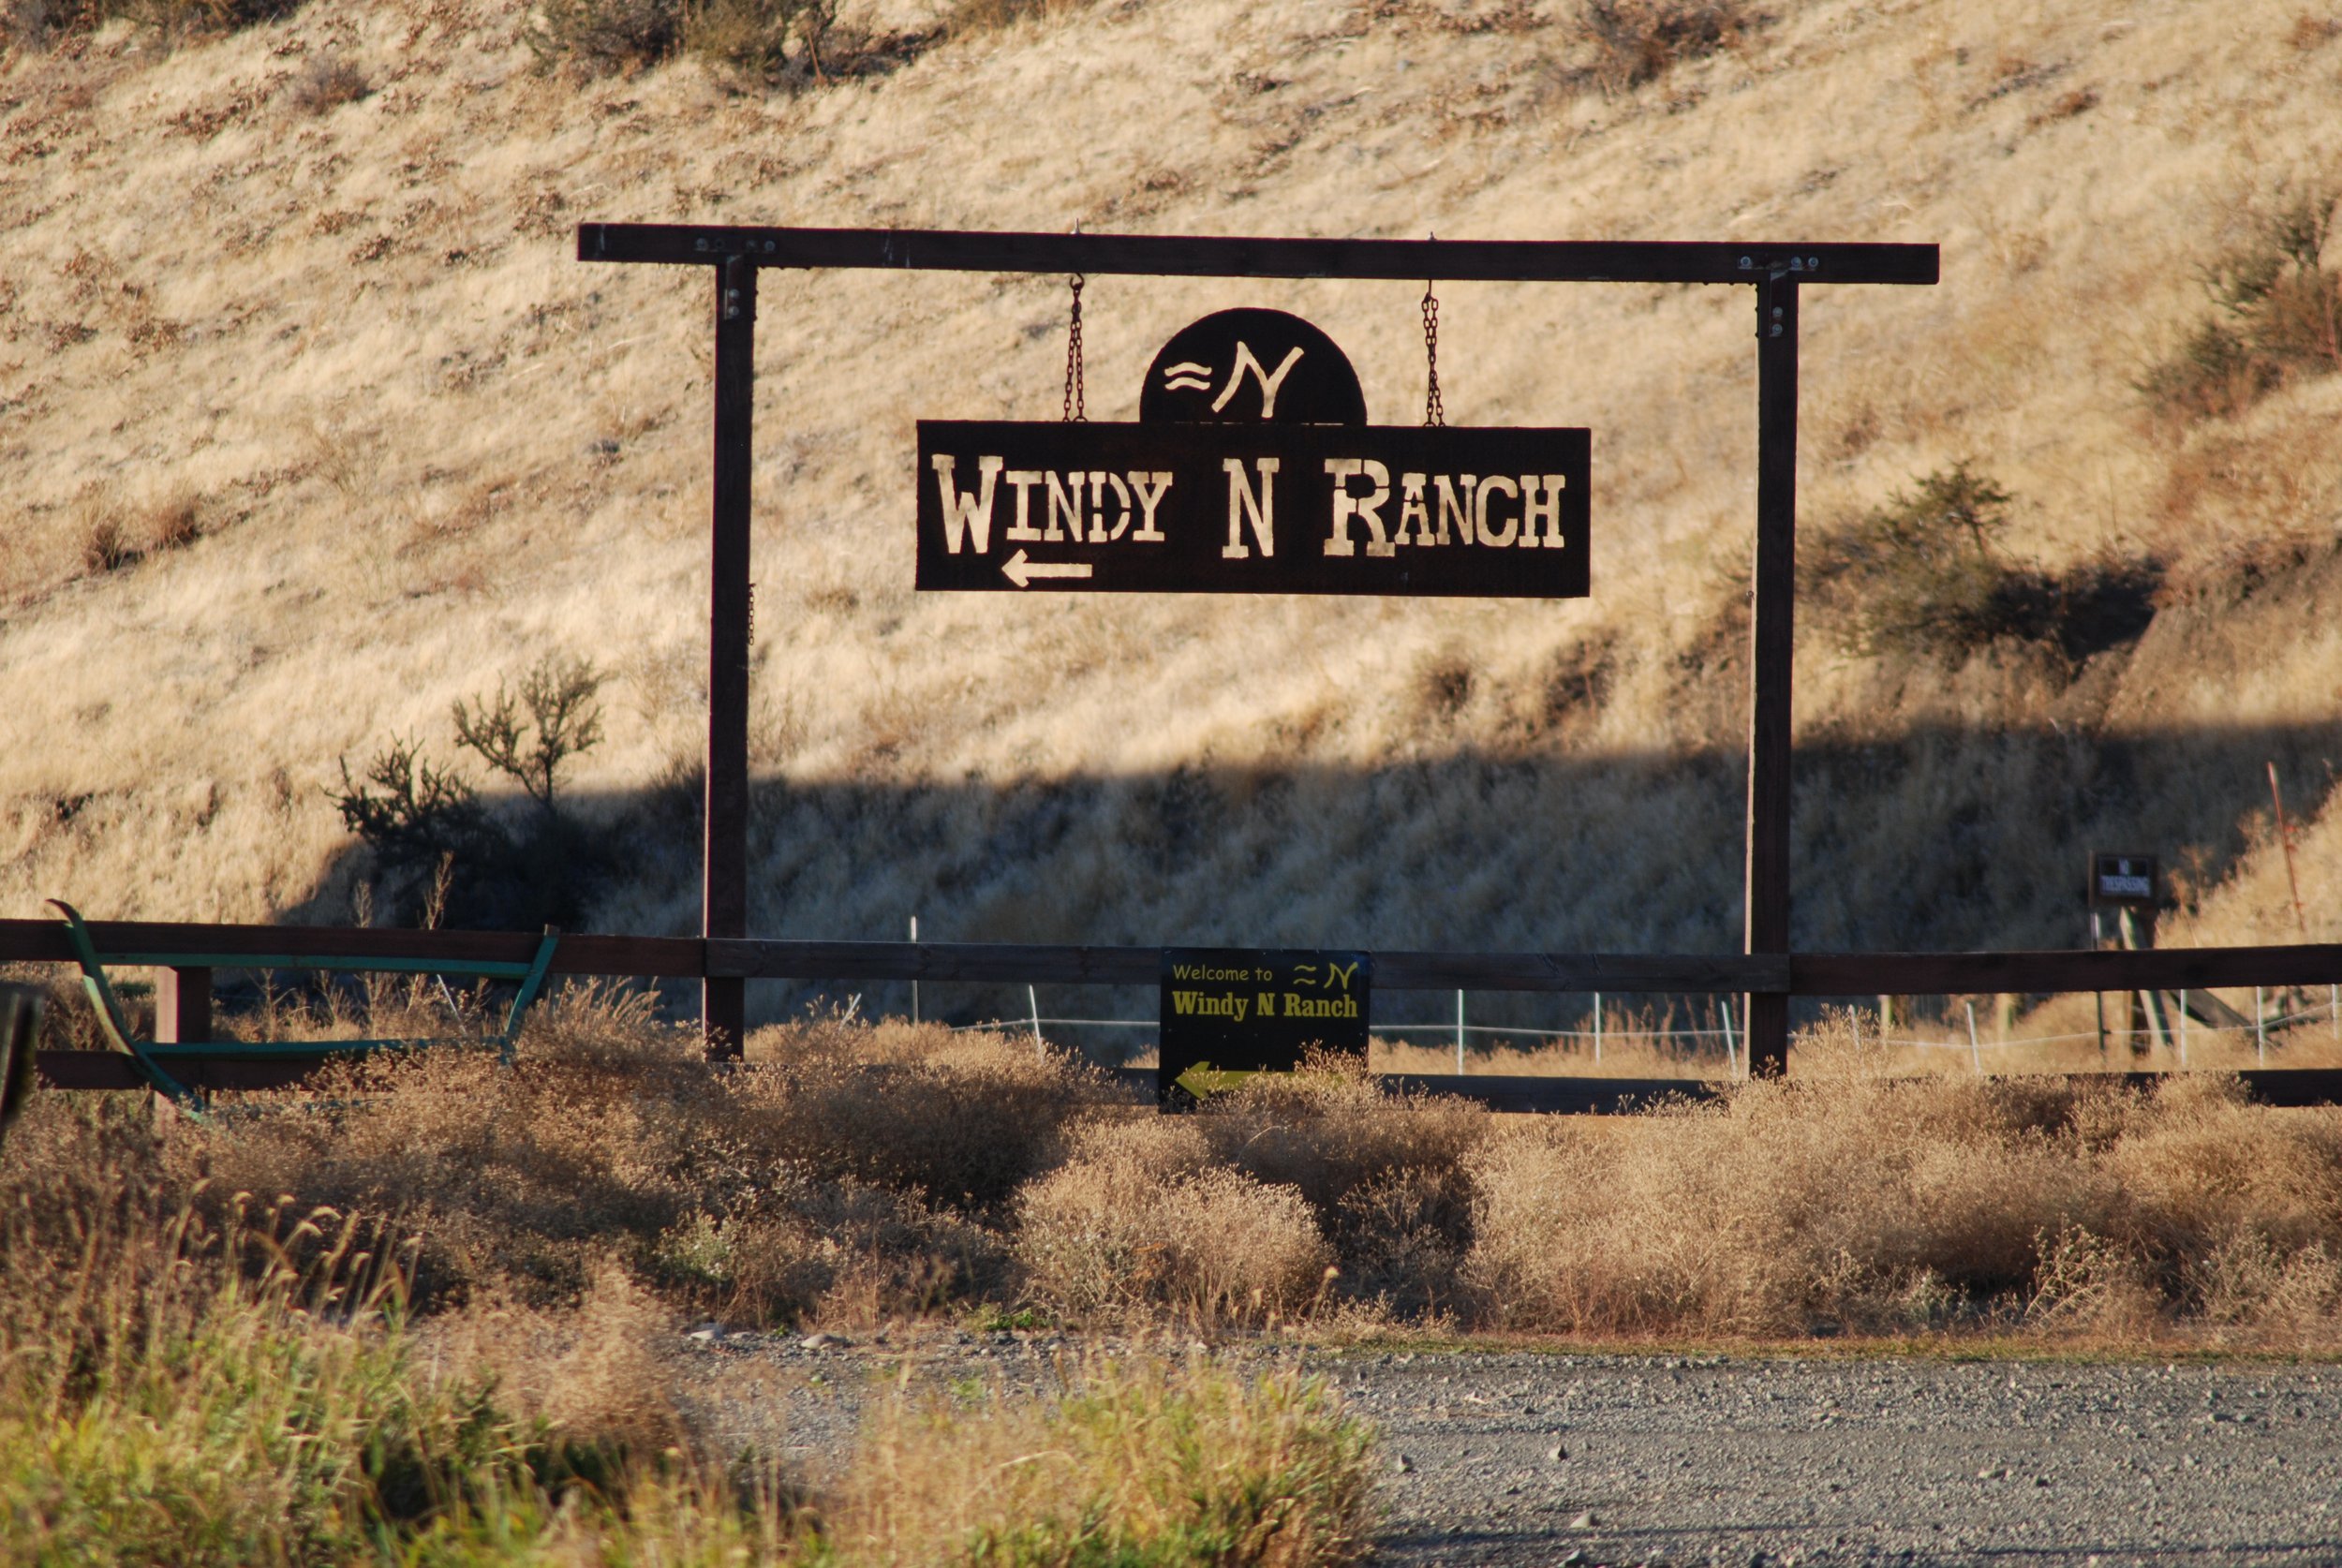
x=1252 y=470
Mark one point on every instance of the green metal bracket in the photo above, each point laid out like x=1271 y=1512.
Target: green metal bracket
x=110 y=1019
x=114 y=1023
x=509 y=1043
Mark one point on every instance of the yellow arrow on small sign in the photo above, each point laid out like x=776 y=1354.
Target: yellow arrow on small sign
x=1203 y=1079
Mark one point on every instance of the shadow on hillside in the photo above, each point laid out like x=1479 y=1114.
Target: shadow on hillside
x=1943 y=839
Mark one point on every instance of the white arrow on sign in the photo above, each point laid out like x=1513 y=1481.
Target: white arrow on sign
x=1021 y=572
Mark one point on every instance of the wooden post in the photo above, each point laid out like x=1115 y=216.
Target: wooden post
x=182 y=1006
x=2097 y=940
x=2146 y=1010
x=724 y=871
x=1771 y=642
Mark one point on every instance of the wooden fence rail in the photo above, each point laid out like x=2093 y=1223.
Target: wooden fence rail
x=1810 y=975
x=1803 y=974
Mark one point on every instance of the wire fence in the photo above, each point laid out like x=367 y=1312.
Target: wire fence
x=1459 y=1029
x=2180 y=1028
x=2181 y=1031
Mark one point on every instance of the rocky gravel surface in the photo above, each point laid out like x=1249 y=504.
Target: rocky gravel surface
x=1570 y=1460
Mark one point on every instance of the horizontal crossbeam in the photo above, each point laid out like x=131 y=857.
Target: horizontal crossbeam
x=1203 y=256
x=1804 y=974
x=197 y=943
x=480 y=969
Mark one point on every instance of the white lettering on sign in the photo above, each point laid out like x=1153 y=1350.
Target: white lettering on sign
x=1366 y=509
x=1489 y=487
x=1246 y=505
x=1065 y=503
x=1077 y=501
x=1541 y=498
x=1460 y=512
x=1099 y=532
x=1464 y=509
x=1412 y=513
x=1269 y=384
x=969 y=516
x=1150 y=489
x=2126 y=887
x=1024 y=480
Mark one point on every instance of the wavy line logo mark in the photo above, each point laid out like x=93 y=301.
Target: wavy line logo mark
x=1188 y=376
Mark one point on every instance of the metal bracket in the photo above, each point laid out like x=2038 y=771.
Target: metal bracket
x=739 y=300
x=1774 y=295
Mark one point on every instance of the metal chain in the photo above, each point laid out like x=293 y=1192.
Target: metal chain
x=1075 y=397
x=1434 y=408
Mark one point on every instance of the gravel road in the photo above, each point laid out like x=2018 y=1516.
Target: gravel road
x=1552 y=1459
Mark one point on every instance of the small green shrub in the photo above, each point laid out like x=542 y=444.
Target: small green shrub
x=1923 y=577
x=39 y=23
x=327 y=81
x=780 y=42
x=528 y=735
x=972 y=17
x=430 y=835
x=106 y=548
x=600 y=37
x=1636 y=41
x=2277 y=316
x=1916 y=575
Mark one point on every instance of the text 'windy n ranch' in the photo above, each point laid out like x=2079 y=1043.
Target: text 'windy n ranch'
x=1259 y=509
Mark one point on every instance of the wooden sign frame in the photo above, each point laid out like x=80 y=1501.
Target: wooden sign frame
x=1776 y=272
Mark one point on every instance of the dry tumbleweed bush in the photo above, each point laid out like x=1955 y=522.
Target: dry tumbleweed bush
x=848 y=1172
x=1880 y=1206
x=854 y=1174
x=1140 y=1222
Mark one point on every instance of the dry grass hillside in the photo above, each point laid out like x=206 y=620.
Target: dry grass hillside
x=311 y=425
